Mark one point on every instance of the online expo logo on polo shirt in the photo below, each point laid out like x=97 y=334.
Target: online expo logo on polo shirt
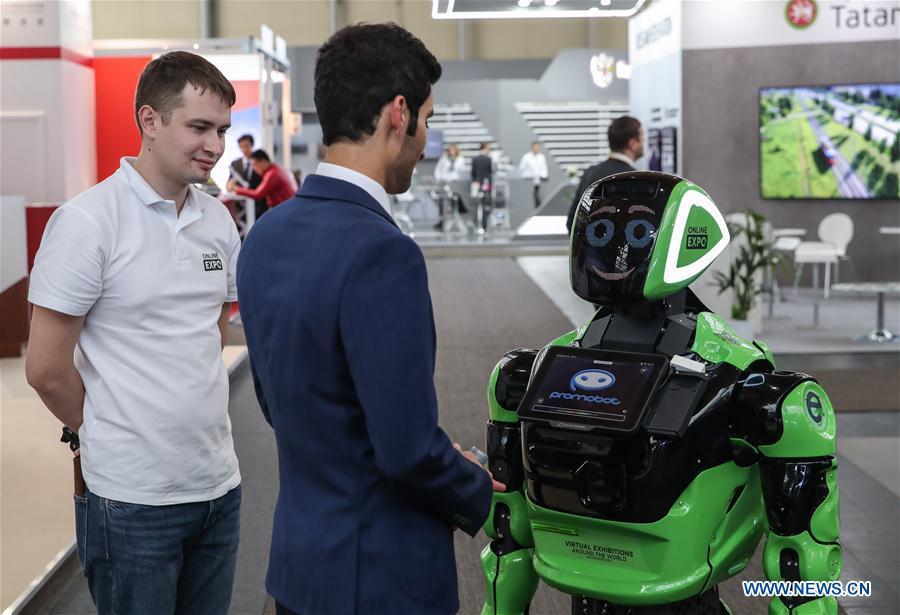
x=801 y=13
x=212 y=261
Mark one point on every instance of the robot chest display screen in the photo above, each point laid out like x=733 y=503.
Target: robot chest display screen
x=594 y=387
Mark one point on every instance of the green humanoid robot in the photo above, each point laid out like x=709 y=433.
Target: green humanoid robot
x=648 y=452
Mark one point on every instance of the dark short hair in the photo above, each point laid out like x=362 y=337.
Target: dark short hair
x=247 y=137
x=621 y=131
x=163 y=80
x=363 y=67
x=260 y=154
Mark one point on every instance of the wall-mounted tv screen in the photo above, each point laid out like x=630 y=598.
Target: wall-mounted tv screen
x=830 y=142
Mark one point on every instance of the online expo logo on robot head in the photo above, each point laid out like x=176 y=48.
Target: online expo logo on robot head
x=591 y=380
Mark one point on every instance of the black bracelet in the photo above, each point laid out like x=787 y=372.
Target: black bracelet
x=71 y=438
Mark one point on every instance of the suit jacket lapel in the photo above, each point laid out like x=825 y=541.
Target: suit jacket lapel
x=329 y=188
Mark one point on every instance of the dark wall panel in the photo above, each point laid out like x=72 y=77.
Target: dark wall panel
x=721 y=136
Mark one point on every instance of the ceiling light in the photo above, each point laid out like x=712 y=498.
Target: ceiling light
x=528 y=9
x=605 y=2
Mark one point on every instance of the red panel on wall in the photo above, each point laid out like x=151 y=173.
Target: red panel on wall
x=247 y=94
x=117 y=135
x=36 y=218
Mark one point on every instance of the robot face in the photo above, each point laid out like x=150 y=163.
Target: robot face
x=642 y=235
x=613 y=237
x=623 y=236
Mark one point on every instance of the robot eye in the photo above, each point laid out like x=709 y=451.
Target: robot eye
x=639 y=233
x=600 y=232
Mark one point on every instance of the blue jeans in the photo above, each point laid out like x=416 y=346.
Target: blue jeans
x=158 y=560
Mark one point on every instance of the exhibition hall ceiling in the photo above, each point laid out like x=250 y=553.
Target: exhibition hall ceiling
x=494 y=9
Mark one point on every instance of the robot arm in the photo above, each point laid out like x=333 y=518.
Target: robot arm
x=793 y=428
x=508 y=570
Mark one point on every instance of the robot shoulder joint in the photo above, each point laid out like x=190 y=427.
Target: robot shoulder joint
x=808 y=423
x=508 y=383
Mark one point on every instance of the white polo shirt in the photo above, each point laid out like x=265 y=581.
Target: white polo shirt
x=156 y=428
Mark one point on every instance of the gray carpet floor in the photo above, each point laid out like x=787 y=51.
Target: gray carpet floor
x=482 y=310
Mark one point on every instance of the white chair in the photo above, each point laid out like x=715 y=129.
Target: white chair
x=835 y=233
x=815 y=253
x=837 y=229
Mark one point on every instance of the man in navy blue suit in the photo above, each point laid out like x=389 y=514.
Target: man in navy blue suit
x=338 y=320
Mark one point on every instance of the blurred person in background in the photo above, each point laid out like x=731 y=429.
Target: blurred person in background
x=482 y=170
x=626 y=146
x=242 y=168
x=482 y=184
x=276 y=186
x=449 y=169
x=533 y=166
x=450 y=166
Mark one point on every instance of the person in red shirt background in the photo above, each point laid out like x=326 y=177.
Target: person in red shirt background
x=276 y=186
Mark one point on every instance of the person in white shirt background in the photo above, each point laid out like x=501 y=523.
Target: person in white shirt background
x=533 y=166
x=450 y=168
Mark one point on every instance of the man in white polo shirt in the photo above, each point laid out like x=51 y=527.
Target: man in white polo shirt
x=134 y=278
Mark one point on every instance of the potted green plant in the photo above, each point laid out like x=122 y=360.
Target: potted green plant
x=752 y=254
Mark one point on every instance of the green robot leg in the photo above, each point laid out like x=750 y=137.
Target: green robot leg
x=821 y=606
x=510 y=578
x=507 y=561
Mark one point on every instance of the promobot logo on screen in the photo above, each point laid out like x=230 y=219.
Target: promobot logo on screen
x=592 y=380
x=801 y=13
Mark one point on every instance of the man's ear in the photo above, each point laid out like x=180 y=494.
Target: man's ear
x=149 y=120
x=398 y=113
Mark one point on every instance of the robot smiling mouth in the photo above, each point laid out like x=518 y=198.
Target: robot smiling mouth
x=612 y=276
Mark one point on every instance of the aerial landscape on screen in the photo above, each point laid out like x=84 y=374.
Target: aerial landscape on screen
x=830 y=142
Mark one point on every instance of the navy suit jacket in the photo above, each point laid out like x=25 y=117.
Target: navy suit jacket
x=337 y=315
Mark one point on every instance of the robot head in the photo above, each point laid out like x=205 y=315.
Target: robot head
x=641 y=236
